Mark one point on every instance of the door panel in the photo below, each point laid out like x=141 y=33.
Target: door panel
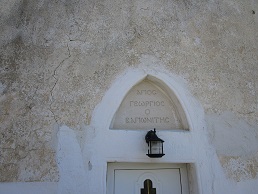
x=165 y=181
x=146 y=178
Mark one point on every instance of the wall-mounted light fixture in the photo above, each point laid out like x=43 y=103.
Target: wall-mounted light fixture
x=155 y=145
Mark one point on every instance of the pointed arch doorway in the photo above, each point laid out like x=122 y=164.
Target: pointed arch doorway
x=148 y=104
x=116 y=139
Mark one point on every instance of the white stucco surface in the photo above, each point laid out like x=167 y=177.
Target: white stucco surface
x=66 y=66
x=83 y=156
x=129 y=145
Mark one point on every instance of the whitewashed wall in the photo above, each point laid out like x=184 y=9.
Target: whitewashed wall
x=62 y=62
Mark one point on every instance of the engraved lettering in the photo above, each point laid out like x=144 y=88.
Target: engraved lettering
x=166 y=120
x=163 y=120
x=146 y=92
x=127 y=120
x=133 y=120
x=150 y=120
x=147 y=120
x=147 y=111
x=147 y=103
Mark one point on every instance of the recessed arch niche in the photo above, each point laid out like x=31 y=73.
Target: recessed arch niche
x=150 y=103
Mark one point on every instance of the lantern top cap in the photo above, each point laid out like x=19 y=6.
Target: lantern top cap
x=151 y=136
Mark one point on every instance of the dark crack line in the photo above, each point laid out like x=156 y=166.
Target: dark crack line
x=56 y=80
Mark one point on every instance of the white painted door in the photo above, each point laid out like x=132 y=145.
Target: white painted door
x=126 y=178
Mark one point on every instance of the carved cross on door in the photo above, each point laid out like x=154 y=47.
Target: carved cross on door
x=148 y=187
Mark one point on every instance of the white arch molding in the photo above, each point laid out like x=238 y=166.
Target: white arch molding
x=103 y=145
x=120 y=89
x=155 y=182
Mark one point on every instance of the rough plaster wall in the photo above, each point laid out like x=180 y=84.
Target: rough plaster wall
x=58 y=58
x=235 y=141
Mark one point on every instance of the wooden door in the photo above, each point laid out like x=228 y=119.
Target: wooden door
x=126 y=178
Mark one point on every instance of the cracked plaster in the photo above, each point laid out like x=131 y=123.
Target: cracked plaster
x=58 y=58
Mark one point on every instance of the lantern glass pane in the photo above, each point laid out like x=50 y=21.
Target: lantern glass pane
x=156 y=147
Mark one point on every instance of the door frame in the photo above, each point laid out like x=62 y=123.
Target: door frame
x=103 y=145
x=112 y=166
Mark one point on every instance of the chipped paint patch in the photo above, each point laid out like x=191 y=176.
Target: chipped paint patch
x=240 y=169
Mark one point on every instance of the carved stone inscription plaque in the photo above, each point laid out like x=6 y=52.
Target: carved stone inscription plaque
x=146 y=106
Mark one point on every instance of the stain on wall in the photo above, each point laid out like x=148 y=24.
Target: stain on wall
x=58 y=58
x=239 y=168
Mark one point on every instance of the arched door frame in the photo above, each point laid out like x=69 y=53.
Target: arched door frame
x=104 y=145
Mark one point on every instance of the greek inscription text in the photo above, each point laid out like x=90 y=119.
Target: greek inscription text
x=146 y=92
x=147 y=120
x=147 y=103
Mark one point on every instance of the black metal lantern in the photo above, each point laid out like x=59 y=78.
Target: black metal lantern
x=155 y=145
